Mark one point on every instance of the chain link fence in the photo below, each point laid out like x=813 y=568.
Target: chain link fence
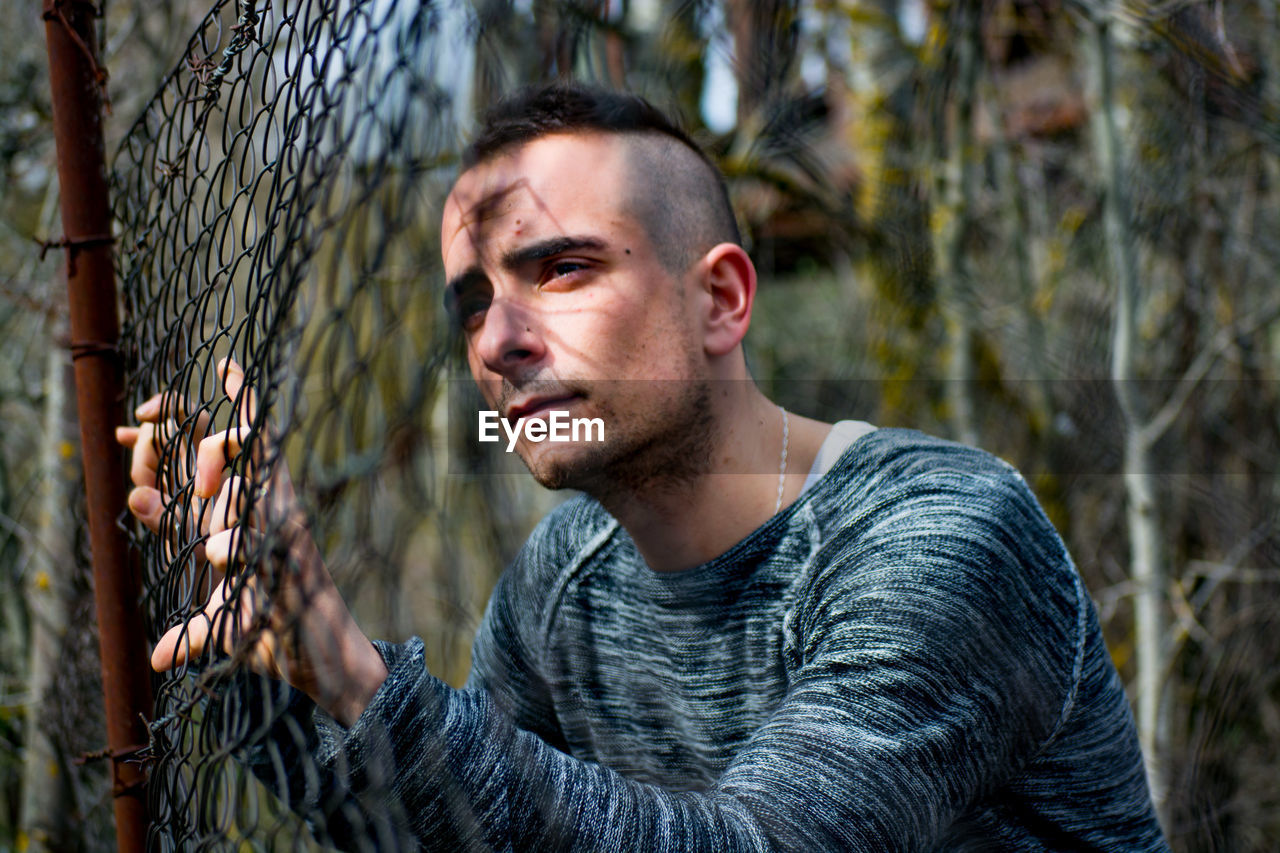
x=278 y=205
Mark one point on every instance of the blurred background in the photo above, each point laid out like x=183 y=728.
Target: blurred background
x=1047 y=228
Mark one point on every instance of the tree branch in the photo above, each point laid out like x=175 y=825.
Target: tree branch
x=1199 y=368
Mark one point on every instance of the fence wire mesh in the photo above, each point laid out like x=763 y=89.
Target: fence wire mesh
x=275 y=205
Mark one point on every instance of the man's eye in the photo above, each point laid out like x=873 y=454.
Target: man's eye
x=563 y=268
x=468 y=311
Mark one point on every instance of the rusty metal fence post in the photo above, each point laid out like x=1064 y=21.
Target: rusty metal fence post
x=76 y=81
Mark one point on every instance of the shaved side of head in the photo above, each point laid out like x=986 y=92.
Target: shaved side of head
x=679 y=198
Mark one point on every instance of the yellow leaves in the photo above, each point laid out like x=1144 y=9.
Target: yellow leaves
x=865 y=14
x=942 y=219
x=42 y=581
x=868 y=137
x=66 y=449
x=1152 y=154
x=1072 y=218
x=1056 y=254
x=22 y=842
x=1160 y=304
x=936 y=39
x=1121 y=653
x=1224 y=313
x=1042 y=301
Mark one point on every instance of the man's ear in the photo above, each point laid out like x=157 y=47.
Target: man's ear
x=729 y=279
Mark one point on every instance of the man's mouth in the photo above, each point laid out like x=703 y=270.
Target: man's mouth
x=537 y=406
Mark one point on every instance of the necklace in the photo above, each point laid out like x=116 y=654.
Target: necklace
x=782 y=461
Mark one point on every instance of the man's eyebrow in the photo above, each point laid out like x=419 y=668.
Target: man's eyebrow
x=549 y=248
x=516 y=258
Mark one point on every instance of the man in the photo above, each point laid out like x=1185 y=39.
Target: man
x=754 y=632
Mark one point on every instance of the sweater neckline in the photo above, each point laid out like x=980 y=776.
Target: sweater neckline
x=787 y=535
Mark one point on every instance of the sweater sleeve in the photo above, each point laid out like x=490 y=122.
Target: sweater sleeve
x=938 y=649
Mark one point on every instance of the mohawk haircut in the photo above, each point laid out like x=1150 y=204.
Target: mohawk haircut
x=678 y=194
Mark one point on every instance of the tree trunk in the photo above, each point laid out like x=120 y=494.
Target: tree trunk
x=764 y=47
x=1016 y=209
x=1147 y=566
x=48 y=590
x=957 y=195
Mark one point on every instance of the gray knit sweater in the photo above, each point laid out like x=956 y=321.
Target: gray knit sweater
x=904 y=659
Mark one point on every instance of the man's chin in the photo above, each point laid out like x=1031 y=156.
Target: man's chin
x=566 y=466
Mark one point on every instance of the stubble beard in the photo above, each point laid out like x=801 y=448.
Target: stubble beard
x=662 y=450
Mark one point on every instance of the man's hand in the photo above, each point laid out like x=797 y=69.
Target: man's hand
x=304 y=634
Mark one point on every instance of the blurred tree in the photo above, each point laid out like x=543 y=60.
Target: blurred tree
x=50 y=588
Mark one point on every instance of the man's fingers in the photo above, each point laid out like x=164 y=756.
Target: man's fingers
x=215 y=452
x=228 y=546
x=219 y=547
x=167 y=415
x=230 y=505
x=180 y=644
x=149 y=409
x=127 y=436
x=169 y=405
x=162 y=406
x=147 y=506
x=213 y=455
x=148 y=441
x=233 y=383
x=189 y=638
x=146 y=455
x=228 y=613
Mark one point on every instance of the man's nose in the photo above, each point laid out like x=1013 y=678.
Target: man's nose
x=510 y=341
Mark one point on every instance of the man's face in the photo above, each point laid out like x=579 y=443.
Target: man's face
x=565 y=306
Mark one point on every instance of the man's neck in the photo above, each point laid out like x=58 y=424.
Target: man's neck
x=680 y=524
